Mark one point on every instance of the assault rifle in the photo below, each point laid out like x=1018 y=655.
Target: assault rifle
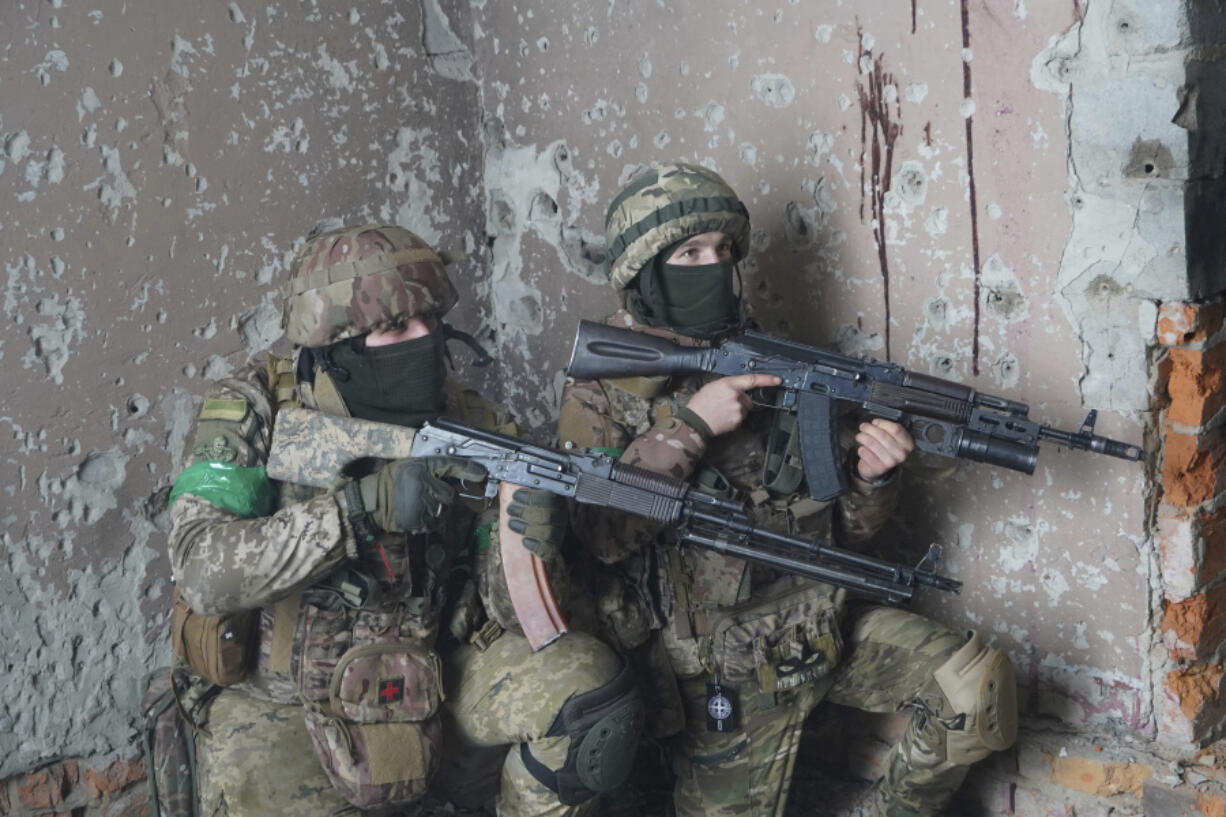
x=943 y=417
x=313 y=448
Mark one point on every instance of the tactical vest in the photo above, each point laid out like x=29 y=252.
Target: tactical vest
x=741 y=623
x=358 y=648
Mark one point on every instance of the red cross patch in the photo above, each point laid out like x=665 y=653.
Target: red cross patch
x=391 y=690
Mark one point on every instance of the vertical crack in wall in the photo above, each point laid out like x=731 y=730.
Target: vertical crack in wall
x=879 y=147
x=970 y=175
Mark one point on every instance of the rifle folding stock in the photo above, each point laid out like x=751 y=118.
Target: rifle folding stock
x=943 y=417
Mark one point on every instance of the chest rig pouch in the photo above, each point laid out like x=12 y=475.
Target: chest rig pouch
x=371 y=683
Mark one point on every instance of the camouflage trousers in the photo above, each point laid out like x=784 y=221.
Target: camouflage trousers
x=889 y=659
x=254 y=758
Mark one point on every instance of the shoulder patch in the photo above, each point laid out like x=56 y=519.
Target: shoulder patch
x=219 y=409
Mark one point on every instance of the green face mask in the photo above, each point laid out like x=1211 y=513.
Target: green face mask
x=698 y=297
x=697 y=301
x=401 y=383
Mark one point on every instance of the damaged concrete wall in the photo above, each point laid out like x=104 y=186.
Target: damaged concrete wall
x=159 y=161
x=916 y=197
x=992 y=192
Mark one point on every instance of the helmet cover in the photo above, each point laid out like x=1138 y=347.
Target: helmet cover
x=353 y=280
x=666 y=204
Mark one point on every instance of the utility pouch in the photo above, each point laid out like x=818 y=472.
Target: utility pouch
x=782 y=641
x=379 y=738
x=168 y=742
x=782 y=470
x=216 y=647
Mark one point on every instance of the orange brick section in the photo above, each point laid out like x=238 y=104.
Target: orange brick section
x=1192 y=467
x=1099 y=779
x=113 y=777
x=1195 y=627
x=46 y=787
x=1195 y=384
x=1211 y=805
x=1197 y=688
x=1181 y=324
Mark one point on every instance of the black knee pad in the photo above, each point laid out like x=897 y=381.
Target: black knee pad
x=604 y=726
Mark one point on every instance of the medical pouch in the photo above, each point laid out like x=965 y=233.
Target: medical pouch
x=379 y=737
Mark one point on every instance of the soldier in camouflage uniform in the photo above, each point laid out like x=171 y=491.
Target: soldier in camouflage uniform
x=370 y=640
x=753 y=652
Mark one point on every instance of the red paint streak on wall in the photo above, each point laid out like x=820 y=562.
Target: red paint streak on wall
x=878 y=133
x=970 y=172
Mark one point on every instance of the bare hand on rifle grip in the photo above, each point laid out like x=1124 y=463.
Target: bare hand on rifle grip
x=884 y=445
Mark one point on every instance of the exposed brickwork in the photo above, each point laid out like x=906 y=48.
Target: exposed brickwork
x=1196 y=384
x=1191 y=530
x=112 y=785
x=1194 y=628
x=1098 y=778
x=46 y=788
x=1199 y=801
x=1213 y=532
x=1181 y=324
x=1197 y=688
x=1192 y=468
x=114 y=777
x=1192 y=545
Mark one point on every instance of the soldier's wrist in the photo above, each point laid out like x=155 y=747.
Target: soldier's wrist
x=686 y=415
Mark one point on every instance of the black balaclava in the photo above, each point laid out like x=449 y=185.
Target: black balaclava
x=401 y=383
x=696 y=301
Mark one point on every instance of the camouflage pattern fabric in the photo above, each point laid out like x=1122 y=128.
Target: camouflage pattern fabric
x=257 y=757
x=891 y=657
x=494 y=697
x=888 y=655
x=663 y=205
x=347 y=282
x=168 y=741
x=255 y=761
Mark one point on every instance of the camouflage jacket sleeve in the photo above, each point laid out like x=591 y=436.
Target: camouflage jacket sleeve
x=225 y=561
x=669 y=447
x=866 y=507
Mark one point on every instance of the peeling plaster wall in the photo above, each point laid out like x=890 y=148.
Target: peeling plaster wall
x=158 y=162
x=916 y=196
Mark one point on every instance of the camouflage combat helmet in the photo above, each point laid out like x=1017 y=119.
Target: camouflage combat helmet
x=350 y=281
x=666 y=204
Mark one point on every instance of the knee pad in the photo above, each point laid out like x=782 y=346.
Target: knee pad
x=604 y=726
x=981 y=690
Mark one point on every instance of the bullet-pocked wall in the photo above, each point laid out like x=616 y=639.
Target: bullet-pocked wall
x=992 y=192
x=946 y=185
x=160 y=161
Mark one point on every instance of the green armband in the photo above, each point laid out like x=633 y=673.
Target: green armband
x=606 y=451
x=241 y=491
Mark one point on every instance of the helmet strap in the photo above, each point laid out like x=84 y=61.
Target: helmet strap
x=451 y=333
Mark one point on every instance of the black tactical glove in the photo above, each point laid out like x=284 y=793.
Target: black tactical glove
x=540 y=517
x=410 y=495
